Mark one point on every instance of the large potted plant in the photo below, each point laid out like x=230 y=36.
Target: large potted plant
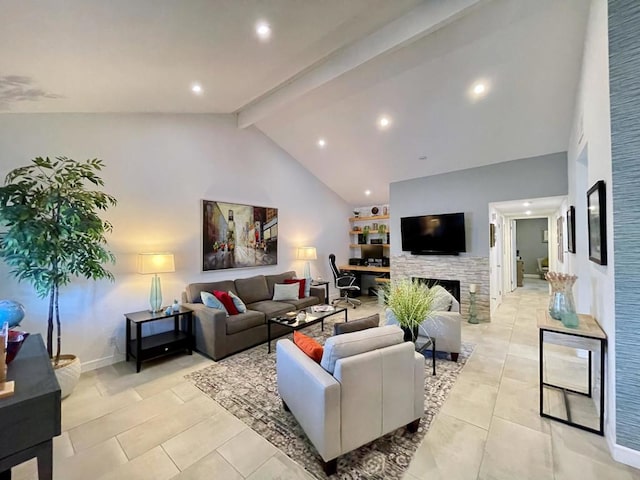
x=53 y=233
x=409 y=303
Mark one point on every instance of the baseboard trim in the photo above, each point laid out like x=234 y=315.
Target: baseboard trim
x=625 y=455
x=102 y=362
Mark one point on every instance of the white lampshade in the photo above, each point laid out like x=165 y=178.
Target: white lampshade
x=306 y=253
x=156 y=263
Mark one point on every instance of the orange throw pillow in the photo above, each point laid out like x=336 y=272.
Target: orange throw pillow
x=309 y=346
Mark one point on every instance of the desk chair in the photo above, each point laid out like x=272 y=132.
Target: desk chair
x=345 y=283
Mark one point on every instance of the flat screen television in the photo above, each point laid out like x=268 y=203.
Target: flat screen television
x=433 y=234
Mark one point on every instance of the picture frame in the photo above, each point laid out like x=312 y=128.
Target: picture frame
x=560 y=235
x=492 y=235
x=571 y=229
x=597 y=222
x=238 y=236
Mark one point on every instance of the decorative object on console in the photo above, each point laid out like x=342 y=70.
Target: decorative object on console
x=365 y=233
x=11 y=312
x=6 y=388
x=42 y=243
x=155 y=263
x=382 y=228
x=227 y=225
x=374 y=211
x=306 y=253
x=561 y=304
x=301 y=316
x=176 y=306
x=473 y=313
x=597 y=223
x=15 y=339
x=356 y=213
x=385 y=210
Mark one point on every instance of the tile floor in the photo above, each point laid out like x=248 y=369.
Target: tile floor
x=155 y=425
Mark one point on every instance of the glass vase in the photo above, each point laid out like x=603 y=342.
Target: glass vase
x=568 y=315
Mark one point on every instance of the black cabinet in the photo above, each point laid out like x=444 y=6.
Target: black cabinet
x=142 y=348
x=30 y=418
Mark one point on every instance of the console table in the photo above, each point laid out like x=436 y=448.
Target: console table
x=587 y=336
x=31 y=417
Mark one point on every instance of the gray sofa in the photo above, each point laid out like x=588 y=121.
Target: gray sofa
x=218 y=336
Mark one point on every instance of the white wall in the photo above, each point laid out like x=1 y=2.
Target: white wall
x=160 y=167
x=590 y=148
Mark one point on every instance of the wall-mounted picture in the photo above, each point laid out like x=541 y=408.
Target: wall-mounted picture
x=238 y=236
x=571 y=229
x=560 y=225
x=597 y=223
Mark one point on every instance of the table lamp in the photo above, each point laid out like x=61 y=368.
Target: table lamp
x=155 y=263
x=306 y=253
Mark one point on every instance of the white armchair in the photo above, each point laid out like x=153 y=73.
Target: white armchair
x=368 y=384
x=443 y=324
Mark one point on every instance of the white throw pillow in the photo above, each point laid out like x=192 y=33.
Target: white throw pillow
x=237 y=301
x=349 y=344
x=285 y=291
x=210 y=300
x=442 y=300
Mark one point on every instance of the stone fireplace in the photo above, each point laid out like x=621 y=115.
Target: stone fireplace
x=461 y=269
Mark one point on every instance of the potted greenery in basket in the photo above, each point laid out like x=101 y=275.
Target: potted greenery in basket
x=409 y=303
x=54 y=233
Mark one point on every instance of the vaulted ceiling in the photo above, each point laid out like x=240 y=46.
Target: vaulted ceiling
x=330 y=70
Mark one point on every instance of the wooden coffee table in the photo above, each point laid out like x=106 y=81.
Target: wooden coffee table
x=311 y=319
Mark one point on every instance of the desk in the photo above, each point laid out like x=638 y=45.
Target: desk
x=364 y=269
x=381 y=273
x=587 y=336
x=31 y=417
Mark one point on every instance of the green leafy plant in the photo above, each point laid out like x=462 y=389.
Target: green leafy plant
x=53 y=231
x=410 y=301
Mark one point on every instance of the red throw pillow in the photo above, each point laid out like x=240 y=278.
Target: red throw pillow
x=227 y=301
x=301 y=281
x=309 y=346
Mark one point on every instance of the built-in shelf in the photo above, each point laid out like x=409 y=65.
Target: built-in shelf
x=355 y=245
x=371 y=232
x=367 y=219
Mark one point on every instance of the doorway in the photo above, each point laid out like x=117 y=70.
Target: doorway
x=527 y=246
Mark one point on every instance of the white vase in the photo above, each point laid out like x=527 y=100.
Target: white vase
x=68 y=374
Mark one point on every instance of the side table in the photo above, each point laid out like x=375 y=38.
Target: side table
x=160 y=344
x=318 y=283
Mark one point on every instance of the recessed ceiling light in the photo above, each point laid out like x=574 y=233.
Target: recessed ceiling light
x=367 y=192
x=384 y=121
x=528 y=212
x=526 y=204
x=479 y=89
x=322 y=143
x=196 y=88
x=263 y=30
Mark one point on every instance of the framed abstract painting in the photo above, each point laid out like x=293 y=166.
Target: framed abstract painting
x=238 y=236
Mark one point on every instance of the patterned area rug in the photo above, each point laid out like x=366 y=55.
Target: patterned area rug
x=245 y=385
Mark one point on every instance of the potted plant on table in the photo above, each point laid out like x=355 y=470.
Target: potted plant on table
x=409 y=303
x=54 y=233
